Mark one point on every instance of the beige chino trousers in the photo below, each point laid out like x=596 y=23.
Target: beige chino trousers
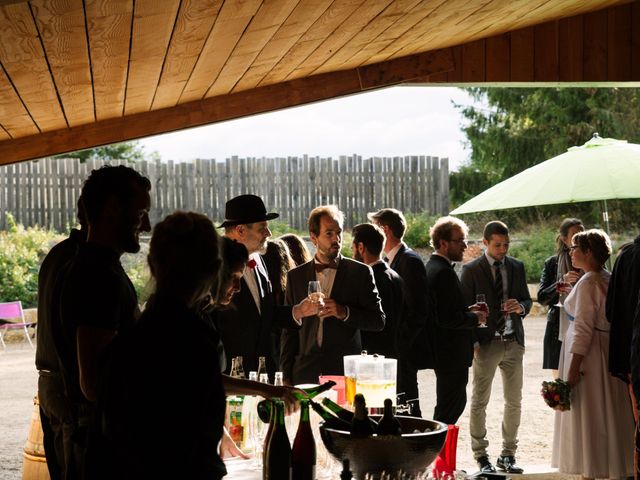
x=508 y=356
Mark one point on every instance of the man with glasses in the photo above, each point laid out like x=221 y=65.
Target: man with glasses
x=453 y=324
x=502 y=280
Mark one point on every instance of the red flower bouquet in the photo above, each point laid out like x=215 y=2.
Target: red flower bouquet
x=557 y=394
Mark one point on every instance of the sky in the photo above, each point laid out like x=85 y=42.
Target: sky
x=397 y=121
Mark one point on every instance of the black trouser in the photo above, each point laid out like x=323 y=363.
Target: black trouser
x=408 y=383
x=63 y=439
x=451 y=394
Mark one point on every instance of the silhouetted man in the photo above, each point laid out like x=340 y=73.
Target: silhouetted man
x=95 y=298
x=56 y=413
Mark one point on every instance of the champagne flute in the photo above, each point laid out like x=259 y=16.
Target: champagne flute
x=560 y=285
x=315 y=293
x=481 y=302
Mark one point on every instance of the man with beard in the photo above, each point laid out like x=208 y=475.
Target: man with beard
x=453 y=325
x=250 y=326
x=368 y=241
x=94 y=296
x=351 y=303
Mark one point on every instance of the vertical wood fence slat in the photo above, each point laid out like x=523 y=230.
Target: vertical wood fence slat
x=45 y=192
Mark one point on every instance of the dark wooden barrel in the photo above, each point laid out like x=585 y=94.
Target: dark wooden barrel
x=34 y=466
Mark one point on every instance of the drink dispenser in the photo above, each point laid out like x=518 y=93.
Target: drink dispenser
x=373 y=376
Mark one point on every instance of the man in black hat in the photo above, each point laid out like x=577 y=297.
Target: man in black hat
x=250 y=327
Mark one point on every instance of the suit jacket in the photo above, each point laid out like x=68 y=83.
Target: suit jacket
x=477 y=278
x=452 y=325
x=390 y=288
x=622 y=298
x=547 y=293
x=247 y=332
x=411 y=269
x=302 y=360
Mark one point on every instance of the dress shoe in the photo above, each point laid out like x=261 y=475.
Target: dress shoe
x=485 y=465
x=508 y=464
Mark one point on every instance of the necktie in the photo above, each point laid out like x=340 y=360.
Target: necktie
x=500 y=294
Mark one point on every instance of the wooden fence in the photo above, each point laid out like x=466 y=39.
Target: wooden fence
x=45 y=192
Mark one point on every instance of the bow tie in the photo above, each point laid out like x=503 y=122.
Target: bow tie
x=252 y=264
x=322 y=266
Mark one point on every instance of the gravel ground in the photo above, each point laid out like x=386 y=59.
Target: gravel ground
x=18 y=383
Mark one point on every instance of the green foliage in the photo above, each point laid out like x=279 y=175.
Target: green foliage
x=533 y=247
x=281 y=227
x=21 y=252
x=418 y=225
x=129 y=151
x=516 y=128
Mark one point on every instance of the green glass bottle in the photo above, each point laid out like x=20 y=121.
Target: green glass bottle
x=278 y=458
x=343 y=413
x=264 y=406
x=360 y=426
x=303 y=453
x=346 y=472
x=330 y=420
x=389 y=424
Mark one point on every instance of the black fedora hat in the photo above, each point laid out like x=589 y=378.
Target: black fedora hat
x=245 y=209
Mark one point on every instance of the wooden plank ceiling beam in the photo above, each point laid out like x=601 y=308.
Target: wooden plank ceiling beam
x=226 y=107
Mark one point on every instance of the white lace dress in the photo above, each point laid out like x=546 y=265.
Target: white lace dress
x=595 y=437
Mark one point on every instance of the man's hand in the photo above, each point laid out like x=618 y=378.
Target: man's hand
x=513 y=306
x=333 y=309
x=285 y=393
x=306 y=308
x=228 y=447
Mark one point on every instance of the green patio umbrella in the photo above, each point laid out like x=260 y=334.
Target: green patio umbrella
x=601 y=169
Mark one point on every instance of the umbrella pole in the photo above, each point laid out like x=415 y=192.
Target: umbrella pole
x=605 y=218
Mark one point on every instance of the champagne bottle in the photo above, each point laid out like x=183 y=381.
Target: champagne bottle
x=240 y=368
x=262 y=365
x=234 y=368
x=343 y=413
x=389 y=424
x=346 y=472
x=279 y=448
x=278 y=381
x=267 y=438
x=264 y=407
x=330 y=420
x=360 y=425
x=303 y=453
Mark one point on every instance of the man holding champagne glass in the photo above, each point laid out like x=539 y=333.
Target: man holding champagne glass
x=347 y=301
x=501 y=283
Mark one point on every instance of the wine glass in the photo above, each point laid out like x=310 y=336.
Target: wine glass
x=560 y=285
x=315 y=292
x=481 y=302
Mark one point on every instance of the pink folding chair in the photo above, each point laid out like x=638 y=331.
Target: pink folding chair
x=11 y=311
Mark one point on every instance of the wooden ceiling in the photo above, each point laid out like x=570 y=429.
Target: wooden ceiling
x=77 y=73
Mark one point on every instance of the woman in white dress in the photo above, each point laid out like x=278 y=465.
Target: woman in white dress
x=595 y=438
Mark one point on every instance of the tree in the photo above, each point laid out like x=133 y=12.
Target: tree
x=129 y=151
x=525 y=126
x=511 y=129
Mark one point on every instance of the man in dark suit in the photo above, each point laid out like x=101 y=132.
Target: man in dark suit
x=502 y=280
x=409 y=265
x=624 y=316
x=452 y=327
x=247 y=327
x=368 y=241
x=351 y=303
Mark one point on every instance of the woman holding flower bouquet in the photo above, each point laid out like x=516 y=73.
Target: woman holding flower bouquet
x=595 y=437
